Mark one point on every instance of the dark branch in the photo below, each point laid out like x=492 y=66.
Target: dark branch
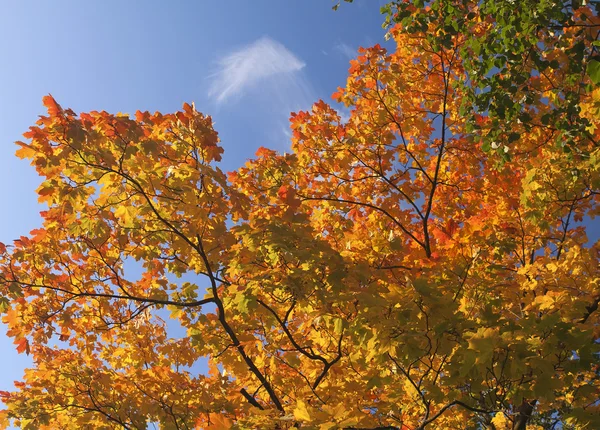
x=251 y=399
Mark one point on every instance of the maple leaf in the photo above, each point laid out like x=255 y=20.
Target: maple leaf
x=22 y=345
x=53 y=108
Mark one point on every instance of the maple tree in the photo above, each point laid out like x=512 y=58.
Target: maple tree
x=387 y=273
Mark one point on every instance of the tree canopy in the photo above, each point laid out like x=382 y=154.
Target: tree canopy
x=391 y=271
x=506 y=46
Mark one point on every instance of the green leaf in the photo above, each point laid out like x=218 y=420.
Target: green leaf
x=593 y=71
x=244 y=303
x=4 y=304
x=196 y=335
x=15 y=289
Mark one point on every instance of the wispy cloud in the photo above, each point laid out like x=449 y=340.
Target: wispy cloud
x=245 y=68
x=345 y=50
x=271 y=78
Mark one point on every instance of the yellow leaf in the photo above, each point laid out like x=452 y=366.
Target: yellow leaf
x=545 y=302
x=500 y=421
x=301 y=412
x=127 y=215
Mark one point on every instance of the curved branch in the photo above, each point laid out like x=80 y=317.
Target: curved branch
x=285 y=329
x=368 y=205
x=450 y=405
x=251 y=399
x=330 y=364
x=115 y=296
x=229 y=330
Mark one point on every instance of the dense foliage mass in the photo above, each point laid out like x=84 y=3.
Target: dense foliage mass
x=391 y=271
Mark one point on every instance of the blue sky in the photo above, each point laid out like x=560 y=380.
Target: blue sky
x=247 y=63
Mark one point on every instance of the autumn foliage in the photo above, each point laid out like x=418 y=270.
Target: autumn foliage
x=385 y=273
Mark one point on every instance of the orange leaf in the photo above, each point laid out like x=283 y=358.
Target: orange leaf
x=25 y=151
x=22 y=345
x=219 y=422
x=53 y=107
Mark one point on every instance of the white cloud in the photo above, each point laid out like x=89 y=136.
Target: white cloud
x=263 y=62
x=345 y=49
x=269 y=80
